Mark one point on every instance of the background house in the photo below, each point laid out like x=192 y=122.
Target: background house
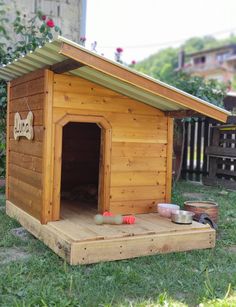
x=215 y=63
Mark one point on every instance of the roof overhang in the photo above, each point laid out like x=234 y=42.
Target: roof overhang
x=65 y=56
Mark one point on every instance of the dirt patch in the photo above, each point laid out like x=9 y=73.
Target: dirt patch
x=232 y=249
x=21 y=233
x=12 y=254
x=194 y=196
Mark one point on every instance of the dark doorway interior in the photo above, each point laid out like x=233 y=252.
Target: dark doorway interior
x=80 y=164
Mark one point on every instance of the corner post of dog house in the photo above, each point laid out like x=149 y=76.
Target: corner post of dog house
x=169 y=157
x=105 y=167
x=57 y=152
x=7 y=140
x=47 y=184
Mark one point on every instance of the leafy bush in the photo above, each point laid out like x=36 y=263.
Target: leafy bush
x=31 y=34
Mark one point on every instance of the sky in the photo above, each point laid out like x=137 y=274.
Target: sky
x=142 y=27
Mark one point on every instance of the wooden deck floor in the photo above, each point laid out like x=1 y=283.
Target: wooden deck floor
x=77 y=223
x=80 y=241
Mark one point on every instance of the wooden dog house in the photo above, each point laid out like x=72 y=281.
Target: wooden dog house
x=79 y=124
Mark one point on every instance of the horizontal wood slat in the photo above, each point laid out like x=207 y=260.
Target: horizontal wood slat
x=27 y=103
x=125 y=164
x=25 y=196
x=134 y=206
x=220 y=151
x=125 y=149
x=143 y=136
x=26 y=161
x=26 y=176
x=27 y=89
x=109 y=104
x=26 y=147
x=28 y=77
x=142 y=178
x=77 y=85
x=137 y=193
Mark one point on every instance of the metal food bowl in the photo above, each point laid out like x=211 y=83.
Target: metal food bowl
x=182 y=217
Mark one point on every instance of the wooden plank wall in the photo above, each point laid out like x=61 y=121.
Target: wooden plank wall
x=139 y=141
x=24 y=156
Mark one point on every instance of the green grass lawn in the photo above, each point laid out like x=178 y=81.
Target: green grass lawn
x=41 y=278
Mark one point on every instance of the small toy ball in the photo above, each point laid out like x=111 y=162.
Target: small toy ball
x=98 y=219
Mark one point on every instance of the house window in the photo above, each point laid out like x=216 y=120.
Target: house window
x=199 y=60
x=222 y=57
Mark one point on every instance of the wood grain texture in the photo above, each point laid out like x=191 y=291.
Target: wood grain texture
x=101 y=64
x=138 y=164
x=133 y=149
x=28 y=77
x=24 y=159
x=8 y=131
x=58 y=243
x=139 y=138
x=23 y=195
x=137 y=193
x=75 y=92
x=24 y=146
x=169 y=159
x=29 y=88
x=138 y=178
x=79 y=241
x=22 y=104
x=46 y=213
x=126 y=248
x=134 y=206
x=26 y=175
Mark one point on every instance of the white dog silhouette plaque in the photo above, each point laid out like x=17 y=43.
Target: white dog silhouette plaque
x=23 y=127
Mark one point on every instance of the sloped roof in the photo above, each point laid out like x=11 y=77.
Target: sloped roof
x=110 y=74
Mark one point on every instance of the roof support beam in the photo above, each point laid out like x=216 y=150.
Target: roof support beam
x=182 y=114
x=101 y=64
x=65 y=66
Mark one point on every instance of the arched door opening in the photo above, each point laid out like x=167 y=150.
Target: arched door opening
x=80 y=165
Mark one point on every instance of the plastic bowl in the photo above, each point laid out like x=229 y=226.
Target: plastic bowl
x=165 y=210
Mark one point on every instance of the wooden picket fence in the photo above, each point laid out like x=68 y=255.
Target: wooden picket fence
x=197 y=138
x=221 y=153
x=210 y=153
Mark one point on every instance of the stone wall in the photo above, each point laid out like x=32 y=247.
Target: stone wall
x=69 y=15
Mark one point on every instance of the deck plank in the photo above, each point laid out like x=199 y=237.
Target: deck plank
x=78 y=223
x=79 y=241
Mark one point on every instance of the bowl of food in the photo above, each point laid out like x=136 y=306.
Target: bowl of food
x=165 y=210
x=182 y=217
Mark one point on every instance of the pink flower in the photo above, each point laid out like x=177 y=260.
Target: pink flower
x=44 y=17
x=119 y=50
x=50 y=23
x=133 y=62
